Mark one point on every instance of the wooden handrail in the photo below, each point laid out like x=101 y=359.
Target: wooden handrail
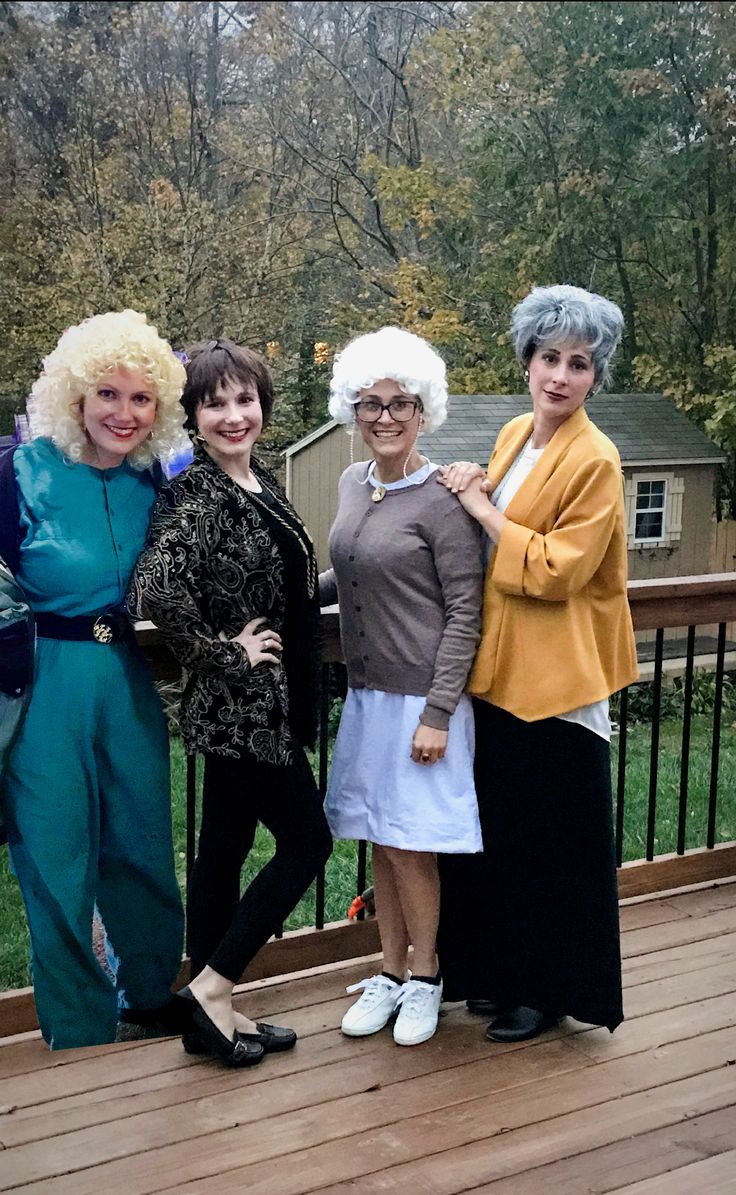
x=683 y=601
x=668 y=602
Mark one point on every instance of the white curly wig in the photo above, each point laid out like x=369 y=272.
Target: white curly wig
x=389 y=353
x=85 y=352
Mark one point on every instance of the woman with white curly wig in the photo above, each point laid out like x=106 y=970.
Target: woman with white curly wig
x=86 y=790
x=407 y=573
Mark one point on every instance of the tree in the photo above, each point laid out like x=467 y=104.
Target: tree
x=294 y=173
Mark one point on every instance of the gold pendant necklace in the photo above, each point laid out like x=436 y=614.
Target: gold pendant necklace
x=379 y=493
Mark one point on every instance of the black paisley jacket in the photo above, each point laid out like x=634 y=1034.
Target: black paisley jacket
x=211 y=565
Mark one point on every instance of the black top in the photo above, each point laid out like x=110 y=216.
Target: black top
x=301 y=611
x=217 y=557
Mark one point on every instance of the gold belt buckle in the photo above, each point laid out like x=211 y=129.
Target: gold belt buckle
x=102 y=630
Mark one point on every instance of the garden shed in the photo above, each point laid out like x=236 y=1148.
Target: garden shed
x=669 y=467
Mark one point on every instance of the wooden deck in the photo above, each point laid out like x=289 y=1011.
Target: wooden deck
x=650 y=1110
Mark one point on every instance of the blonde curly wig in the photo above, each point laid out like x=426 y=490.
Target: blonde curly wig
x=85 y=352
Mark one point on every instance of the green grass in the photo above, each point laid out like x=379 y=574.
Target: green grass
x=668 y=785
x=342 y=867
x=13 y=930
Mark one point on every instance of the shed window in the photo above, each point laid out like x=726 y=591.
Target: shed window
x=650 y=507
x=653 y=509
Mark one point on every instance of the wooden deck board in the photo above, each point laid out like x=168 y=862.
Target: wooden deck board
x=712 y=1176
x=611 y=1167
x=575 y=1111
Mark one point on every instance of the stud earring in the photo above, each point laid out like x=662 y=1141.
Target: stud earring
x=526 y=375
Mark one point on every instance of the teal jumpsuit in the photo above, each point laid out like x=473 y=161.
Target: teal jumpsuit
x=86 y=790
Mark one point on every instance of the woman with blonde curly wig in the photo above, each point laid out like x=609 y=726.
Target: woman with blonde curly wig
x=86 y=789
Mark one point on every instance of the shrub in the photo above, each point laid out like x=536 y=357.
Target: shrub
x=672 y=698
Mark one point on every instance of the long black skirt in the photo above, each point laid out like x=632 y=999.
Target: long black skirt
x=534 y=919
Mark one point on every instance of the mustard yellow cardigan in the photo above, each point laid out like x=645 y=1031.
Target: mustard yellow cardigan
x=557 y=630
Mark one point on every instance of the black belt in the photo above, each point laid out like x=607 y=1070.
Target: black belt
x=110 y=627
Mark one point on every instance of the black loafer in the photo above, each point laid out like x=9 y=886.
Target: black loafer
x=273 y=1038
x=240 y=1053
x=205 y=1038
x=520 y=1024
x=482 y=1008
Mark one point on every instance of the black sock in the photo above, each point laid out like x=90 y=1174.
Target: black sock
x=393 y=978
x=433 y=979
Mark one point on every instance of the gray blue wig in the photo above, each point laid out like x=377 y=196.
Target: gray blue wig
x=557 y=315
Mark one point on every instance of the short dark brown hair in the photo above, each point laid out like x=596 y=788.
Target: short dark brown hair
x=214 y=361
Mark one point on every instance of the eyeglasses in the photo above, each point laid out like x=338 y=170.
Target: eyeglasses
x=369 y=410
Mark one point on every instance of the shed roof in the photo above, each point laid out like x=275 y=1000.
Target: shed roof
x=647 y=429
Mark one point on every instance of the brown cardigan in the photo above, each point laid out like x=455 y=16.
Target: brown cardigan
x=409 y=577
x=557 y=630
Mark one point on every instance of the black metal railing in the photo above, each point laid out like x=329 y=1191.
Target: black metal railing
x=657 y=606
x=696 y=612
x=692 y=666
x=647 y=780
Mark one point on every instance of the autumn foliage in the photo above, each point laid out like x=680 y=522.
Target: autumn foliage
x=291 y=173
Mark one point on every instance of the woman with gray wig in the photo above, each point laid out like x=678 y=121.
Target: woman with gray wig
x=557 y=641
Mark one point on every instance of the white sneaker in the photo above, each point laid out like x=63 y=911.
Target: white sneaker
x=375 y=1007
x=419 y=1008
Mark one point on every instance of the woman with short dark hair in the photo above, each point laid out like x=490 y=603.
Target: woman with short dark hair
x=230 y=579
x=531 y=926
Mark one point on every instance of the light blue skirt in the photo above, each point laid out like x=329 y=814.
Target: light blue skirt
x=376 y=791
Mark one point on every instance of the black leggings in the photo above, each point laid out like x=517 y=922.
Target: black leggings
x=226 y=930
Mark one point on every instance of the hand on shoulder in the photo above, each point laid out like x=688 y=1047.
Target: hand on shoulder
x=457 y=476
